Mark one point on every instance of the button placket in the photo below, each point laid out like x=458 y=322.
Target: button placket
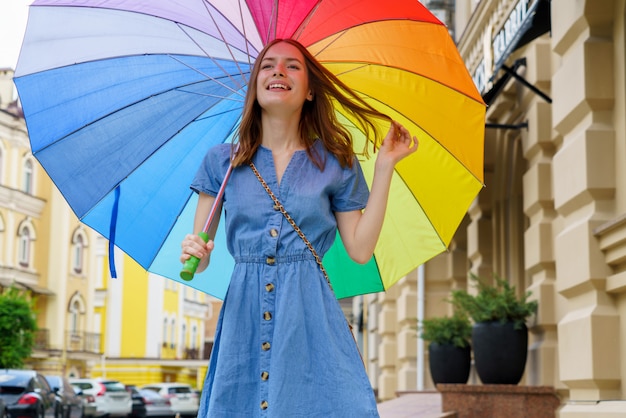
x=268 y=290
x=270 y=248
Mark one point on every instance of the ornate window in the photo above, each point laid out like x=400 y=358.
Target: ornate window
x=194 y=336
x=79 y=243
x=28 y=177
x=165 y=332
x=25 y=236
x=173 y=333
x=76 y=308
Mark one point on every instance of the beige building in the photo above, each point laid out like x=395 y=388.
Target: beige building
x=139 y=328
x=552 y=217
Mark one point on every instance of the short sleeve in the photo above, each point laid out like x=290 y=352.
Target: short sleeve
x=211 y=172
x=352 y=192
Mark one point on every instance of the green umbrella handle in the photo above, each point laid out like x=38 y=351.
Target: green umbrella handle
x=190 y=266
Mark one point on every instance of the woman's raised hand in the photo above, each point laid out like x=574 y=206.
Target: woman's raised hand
x=397 y=145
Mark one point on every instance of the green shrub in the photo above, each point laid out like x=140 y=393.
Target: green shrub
x=456 y=330
x=494 y=302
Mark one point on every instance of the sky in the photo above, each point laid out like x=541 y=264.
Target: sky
x=13 y=15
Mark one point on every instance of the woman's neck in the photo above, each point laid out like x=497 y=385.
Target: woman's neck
x=281 y=133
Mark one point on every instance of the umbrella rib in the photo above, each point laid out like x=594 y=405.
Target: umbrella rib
x=211 y=58
x=306 y=20
x=245 y=35
x=273 y=23
x=208 y=9
x=217 y=96
x=235 y=91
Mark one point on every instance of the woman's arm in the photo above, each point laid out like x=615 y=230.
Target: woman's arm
x=194 y=245
x=360 y=230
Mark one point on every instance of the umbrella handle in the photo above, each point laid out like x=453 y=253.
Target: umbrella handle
x=190 y=266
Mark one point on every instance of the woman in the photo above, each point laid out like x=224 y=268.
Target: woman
x=282 y=345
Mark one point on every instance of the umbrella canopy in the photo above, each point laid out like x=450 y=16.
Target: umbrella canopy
x=122 y=99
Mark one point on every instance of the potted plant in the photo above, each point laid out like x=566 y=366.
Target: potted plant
x=449 y=351
x=499 y=333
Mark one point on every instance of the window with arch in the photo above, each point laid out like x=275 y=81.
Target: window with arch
x=24 y=246
x=194 y=336
x=76 y=308
x=28 y=176
x=183 y=334
x=165 y=332
x=79 y=243
x=173 y=333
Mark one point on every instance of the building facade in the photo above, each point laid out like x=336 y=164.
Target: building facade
x=138 y=328
x=552 y=216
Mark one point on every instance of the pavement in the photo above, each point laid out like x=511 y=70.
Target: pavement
x=412 y=405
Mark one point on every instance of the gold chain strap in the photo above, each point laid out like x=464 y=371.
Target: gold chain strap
x=280 y=207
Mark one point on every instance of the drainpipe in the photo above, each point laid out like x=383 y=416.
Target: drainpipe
x=420 y=316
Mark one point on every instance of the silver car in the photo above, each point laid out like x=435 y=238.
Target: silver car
x=183 y=399
x=111 y=396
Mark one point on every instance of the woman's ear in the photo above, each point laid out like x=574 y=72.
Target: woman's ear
x=309 y=96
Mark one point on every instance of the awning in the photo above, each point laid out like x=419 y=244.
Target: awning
x=536 y=23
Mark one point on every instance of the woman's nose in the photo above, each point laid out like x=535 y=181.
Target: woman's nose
x=279 y=71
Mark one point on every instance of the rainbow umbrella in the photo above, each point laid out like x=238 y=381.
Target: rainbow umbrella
x=122 y=99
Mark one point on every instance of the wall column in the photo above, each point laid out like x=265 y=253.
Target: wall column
x=539 y=263
x=388 y=348
x=584 y=189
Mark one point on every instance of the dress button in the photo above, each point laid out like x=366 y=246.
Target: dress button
x=270 y=260
x=265 y=346
x=265 y=376
x=267 y=315
x=276 y=207
x=264 y=405
x=269 y=287
x=273 y=233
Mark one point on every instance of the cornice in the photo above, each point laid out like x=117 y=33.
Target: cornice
x=21 y=202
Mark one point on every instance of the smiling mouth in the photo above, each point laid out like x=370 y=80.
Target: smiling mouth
x=277 y=86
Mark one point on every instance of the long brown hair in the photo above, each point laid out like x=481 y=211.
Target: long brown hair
x=318 y=118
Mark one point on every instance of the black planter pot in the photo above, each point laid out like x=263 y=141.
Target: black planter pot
x=448 y=363
x=500 y=352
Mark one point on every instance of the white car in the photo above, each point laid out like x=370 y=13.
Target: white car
x=110 y=396
x=183 y=398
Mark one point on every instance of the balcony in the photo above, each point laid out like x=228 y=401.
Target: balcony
x=75 y=342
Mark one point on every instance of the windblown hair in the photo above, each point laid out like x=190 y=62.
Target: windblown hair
x=318 y=118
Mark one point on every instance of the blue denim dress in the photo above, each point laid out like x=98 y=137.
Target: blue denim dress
x=282 y=346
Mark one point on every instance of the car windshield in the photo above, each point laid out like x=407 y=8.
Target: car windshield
x=149 y=394
x=179 y=389
x=15 y=380
x=114 y=387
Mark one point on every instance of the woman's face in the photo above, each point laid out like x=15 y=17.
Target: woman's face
x=283 y=82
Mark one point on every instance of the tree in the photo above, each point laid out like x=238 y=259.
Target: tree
x=17 y=328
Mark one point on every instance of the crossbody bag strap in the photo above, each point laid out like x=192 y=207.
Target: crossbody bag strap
x=295 y=226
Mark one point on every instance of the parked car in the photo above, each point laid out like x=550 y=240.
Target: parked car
x=110 y=396
x=67 y=403
x=183 y=399
x=90 y=409
x=148 y=403
x=26 y=393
